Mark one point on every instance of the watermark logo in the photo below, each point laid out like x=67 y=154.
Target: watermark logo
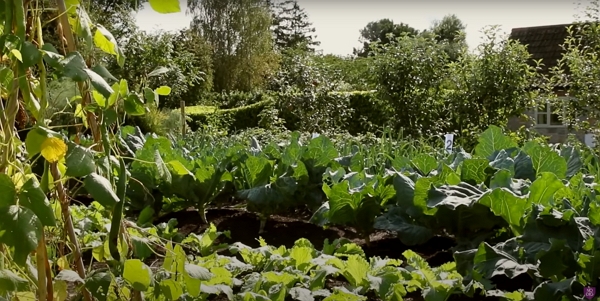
x=589 y=292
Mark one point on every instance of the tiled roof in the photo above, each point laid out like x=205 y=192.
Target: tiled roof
x=543 y=42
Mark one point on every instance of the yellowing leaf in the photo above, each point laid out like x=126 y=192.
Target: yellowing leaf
x=165 y=6
x=80 y=113
x=53 y=149
x=105 y=40
x=163 y=90
x=99 y=98
x=63 y=263
x=17 y=54
x=72 y=6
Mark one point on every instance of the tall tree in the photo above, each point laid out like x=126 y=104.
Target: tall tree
x=240 y=35
x=379 y=31
x=450 y=31
x=291 y=27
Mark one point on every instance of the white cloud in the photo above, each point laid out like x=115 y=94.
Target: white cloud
x=338 y=22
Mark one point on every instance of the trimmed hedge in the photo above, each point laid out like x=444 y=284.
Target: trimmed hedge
x=369 y=113
x=233 y=119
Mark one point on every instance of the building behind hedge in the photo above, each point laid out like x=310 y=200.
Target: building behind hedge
x=545 y=43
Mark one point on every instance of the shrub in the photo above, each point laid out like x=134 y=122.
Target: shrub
x=232 y=119
x=368 y=114
x=271 y=112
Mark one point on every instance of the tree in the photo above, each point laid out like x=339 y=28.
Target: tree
x=305 y=87
x=425 y=93
x=380 y=31
x=186 y=57
x=490 y=86
x=291 y=28
x=578 y=72
x=240 y=36
x=409 y=72
x=450 y=31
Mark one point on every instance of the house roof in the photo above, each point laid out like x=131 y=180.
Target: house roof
x=543 y=42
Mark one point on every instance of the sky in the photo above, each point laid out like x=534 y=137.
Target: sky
x=338 y=22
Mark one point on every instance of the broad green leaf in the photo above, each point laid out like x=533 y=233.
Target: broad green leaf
x=74 y=67
x=425 y=163
x=410 y=234
x=505 y=204
x=146 y=215
x=259 y=171
x=69 y=276
x=163 y=90
x=79 y=161
x=99 y=83
x=492 y=140
x=81 y=23
x=134 y=106
x=179 y=168
x=543 y=189
x=31 y=54
x=33 y=197
x=9 y=192
x=339 y=295
x=21 y=229
x=524 y=167
x=545 y=159
x=356 y=270
x=474 y=170
x=170 y=289
x=98 y=284
x=150 y=96
x=141 y=247
x=555 y=259
x=573 y=158
x=11 y=282
x=490 y=262
x=301 y=294
x=165 y=6
x=101 y=190
x=51 y=56
x=550 y=290
x=102 y=71
x=198 y=272
x=123 y=87
x=137 y=274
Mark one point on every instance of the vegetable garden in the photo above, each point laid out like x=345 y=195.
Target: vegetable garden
x=101 y=211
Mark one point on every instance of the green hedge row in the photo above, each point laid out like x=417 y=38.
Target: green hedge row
x=368 y=112
x=233 y=119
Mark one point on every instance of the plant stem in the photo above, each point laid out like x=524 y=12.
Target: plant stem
x=136 y=296
x=263 y=223
x=83 y=86
x=2 y=265
x=66 y=213
x=202 y=212
x=40 y=260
